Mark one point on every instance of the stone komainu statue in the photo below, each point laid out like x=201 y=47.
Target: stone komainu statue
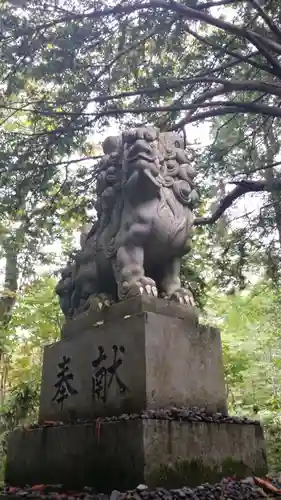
x=145 y=196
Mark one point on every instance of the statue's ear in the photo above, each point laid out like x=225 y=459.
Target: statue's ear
x=172 y=140
x=179 y=143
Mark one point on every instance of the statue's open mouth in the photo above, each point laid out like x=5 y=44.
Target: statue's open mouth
x=145 y=162
x=142 y=160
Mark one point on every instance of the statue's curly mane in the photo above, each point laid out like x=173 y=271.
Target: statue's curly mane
x=176 y=173
x=109 y=198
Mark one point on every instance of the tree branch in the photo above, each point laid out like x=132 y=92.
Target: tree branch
x=228 y=87
x=225 y=87
x=252 y=37
x=235 y=55
x=208 y=5
x=226 y=107
x=266 y=18
x=247 y=108
x=242 y=187
x=194 y=13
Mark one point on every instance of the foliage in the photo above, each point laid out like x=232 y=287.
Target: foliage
x=20 y=407
x=35 y=322
x=251 y=333
x=95 y=49
x=66 y=71
x=250 y=233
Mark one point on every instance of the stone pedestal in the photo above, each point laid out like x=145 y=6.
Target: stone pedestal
x=122 y=454
x=106 y=377
x=143 y=361
x=130 y=307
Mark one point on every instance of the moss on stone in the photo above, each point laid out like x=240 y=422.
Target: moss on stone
x=194 y=472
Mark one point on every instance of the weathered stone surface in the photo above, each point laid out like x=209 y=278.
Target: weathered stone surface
x=122 y=454
x=134 y=305
x=160 y=361
x=145 y=196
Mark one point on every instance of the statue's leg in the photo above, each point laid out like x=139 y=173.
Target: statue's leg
x=170 y=284
x=128 y=264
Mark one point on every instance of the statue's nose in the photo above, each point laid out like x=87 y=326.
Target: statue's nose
x=141 y=147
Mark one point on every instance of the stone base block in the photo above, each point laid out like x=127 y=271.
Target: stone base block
x=129 y=307
x=121 y=454
x=142 y=361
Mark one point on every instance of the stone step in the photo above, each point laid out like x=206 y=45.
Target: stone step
x=119 y=454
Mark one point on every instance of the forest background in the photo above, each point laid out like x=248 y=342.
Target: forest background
x=73 y=71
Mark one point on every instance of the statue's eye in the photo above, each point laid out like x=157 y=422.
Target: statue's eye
x=150 y=135
x=177 y=144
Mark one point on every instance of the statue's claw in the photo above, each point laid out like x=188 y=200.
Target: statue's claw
x=144 y=286
x=98 y=303
x=148 y=286
x=188 y=299
x=182 y=296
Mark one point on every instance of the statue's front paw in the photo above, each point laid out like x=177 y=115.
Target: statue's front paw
x=181 y=295
x=98 y=302
x=143 y=286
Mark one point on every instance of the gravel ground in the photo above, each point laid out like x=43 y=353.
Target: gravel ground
x=227 y=489
x=185 y=414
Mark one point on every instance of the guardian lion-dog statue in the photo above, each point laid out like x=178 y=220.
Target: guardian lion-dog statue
x=145 y=197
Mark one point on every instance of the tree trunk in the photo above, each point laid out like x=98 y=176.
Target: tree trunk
x=6 y=304
x=11 y=281
x=275 y=198
x=272 y=149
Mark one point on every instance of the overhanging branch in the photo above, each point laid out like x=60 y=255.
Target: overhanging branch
x=194 y=13
x=220 y=108
x=242 y=187
x=247 y=108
